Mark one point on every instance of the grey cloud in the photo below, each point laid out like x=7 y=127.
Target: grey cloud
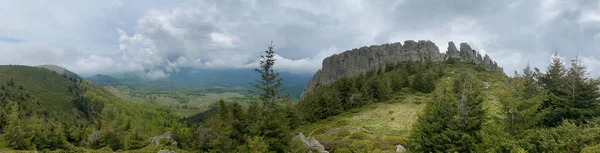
x=159 y=37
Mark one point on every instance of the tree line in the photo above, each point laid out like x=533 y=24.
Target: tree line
x=551 y=111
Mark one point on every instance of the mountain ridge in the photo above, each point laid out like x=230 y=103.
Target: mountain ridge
x=359 y=60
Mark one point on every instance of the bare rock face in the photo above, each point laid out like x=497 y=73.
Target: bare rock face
x=452 y=52
x=360 y=60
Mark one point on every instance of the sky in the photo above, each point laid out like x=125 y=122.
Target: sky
x=161 y=37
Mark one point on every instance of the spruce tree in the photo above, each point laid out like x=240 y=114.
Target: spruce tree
x=470 y=114
x=521 y=106
x=554 y=81
x=431 y=130
x=269 y=85
x=453 y=119
x=584 y=101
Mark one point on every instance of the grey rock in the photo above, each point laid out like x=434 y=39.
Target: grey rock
x=94 y=136
x=166 y=151
x=311 y=144
x=452 y=52
x=156 y=140
x=363 y=59
x=400 y=148
x=486 y=85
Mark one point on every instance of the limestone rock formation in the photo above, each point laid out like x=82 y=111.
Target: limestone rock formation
x=452 y=52
x=360 y=60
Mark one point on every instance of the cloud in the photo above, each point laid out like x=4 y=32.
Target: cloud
x=161 y=37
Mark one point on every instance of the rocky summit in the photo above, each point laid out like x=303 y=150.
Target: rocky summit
x=360 y=60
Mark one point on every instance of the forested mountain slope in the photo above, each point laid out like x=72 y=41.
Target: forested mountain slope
x=43 y=110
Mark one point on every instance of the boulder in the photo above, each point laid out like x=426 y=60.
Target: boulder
x=311 y=144
x=400 y=148
x=156 y=140
x=166 y=151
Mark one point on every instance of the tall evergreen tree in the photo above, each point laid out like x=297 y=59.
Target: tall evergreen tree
x=558 y=91
x=452 y=120
x=521 y=105
x=269 y=85
x=431 y=131
x=470 y=114
x=584 y=101
x=572 y=95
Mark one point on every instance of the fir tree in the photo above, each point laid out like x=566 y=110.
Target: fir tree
x=431 y=131
x=520 y=105
x=584 y=93
x=558 y=92
x=269 y=85
x=470 y=114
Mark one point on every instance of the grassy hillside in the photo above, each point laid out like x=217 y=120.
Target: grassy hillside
x=383 y=125
x=44 y=110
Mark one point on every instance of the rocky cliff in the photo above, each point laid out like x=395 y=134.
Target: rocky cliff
x=359 y=60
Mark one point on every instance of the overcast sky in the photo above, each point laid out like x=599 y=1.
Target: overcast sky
x=160 y=37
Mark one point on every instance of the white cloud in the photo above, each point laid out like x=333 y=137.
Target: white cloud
x=156 y=74
x=161 y=37
x=593 y=65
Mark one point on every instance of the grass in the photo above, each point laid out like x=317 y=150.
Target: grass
x=375 y=126
x=382 y=126
x=193 y=104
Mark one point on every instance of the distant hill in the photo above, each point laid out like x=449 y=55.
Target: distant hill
x=104 y=80
x=60 y=70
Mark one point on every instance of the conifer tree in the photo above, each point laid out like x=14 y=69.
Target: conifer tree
x=452 y=120
x=584 y=101
x=470 y=114
x=269 y=85
x=558 y=92
x=520 y=107
x=430 y=132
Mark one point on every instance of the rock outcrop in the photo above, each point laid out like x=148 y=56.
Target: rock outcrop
x=310 y=144
x=360 y=60
x=168 y=136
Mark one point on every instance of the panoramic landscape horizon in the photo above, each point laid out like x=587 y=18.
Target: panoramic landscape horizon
x=250 y=76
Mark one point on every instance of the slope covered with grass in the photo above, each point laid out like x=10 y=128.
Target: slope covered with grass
x=383 y=124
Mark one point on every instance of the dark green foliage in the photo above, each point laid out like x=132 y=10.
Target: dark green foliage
x=452 y=120
x=431 y=131
x=572 y=96
x=52 y=112
x=521 y=103
x=321 y=104
x=269 y=84
x=423 y=82
x=378 y=88
x=399 y=80
x=231 y=127
x=348 y=93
